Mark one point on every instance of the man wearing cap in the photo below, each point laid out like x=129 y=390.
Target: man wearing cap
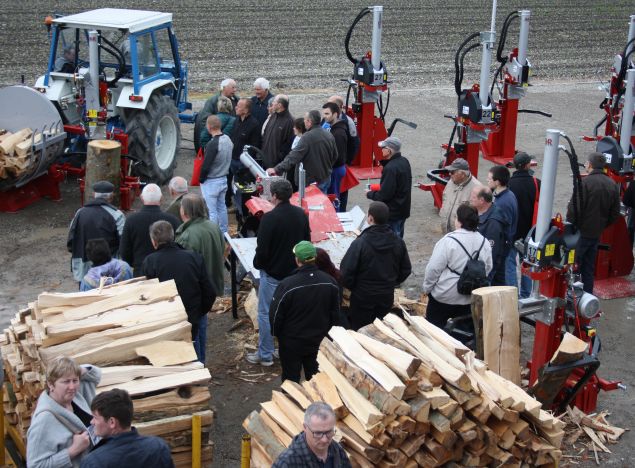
x=304 y=308
x=96 y=219
x=279 y=231
x=394 y=185
x=526 y=187
x=375 y=263
x=457 y=191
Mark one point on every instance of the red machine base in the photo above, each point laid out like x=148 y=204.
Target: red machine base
x=46 y=185
x=614 y=288
x=365 y=173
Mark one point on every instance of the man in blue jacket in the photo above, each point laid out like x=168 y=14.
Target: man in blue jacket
x=491 y=225
x=121 y=446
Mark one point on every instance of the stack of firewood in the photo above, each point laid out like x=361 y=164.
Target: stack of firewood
x=407 y=394
x=138 y=333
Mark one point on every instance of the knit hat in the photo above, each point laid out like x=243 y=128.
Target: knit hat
x=103 y=186
x=304 y=251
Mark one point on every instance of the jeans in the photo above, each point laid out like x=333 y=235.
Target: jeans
x=324 y=186
x=266 y=288
x=337 y=175
x=398 y=226
x=510 y=268
x=525 y=281
x=586 y=252
x=213 y=191
x=201 y=339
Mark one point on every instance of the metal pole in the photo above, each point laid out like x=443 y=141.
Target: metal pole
x=487 y=40
x=548 y=184
x=196 y=441
x=92 y=89
x=245 y=451
x=301 y=183
x=523 y=37
x=251 y=164
x=376 y=38
x=627 y=112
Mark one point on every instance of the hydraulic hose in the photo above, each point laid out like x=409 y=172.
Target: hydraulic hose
x=115 y=52
x=347 y=40
x=465 y=52
x=501 y=47
x=458 y=61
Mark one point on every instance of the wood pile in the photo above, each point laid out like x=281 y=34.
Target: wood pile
x=15 y=151
x=406 y=394
x=138 y=333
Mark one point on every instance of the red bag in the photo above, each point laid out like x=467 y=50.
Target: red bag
x=348 y=181
x=196 y=171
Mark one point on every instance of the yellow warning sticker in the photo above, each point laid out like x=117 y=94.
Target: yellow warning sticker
x=92 y=113
x=571 y=258
x=550 y=249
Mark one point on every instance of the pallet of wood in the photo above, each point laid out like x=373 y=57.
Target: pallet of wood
x=406 y=394
x=138 y=333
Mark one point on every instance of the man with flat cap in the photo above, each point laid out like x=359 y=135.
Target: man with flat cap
x=457 y=191
x=96 y=219
x=394 y=185
x=305 y=306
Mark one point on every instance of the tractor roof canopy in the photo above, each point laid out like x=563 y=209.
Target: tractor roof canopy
x=115 y=19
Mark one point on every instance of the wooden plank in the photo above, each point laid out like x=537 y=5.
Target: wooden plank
x=284 y=438
x=450 y=373
x=297 y=393
x=362 y=382
x=275 y=413
x=367 y=414
x=170 y=402
x=402 y=363
x=263 y=435
x=501 y=329
x=46 y=300
x=328 y=393
x=449 y=342
x=373 y=367
x=121 y=374
x=294 y=413
x=153 y=384
x=167 y=353
x=174 y=424
x=138 y=294
x=351 y=440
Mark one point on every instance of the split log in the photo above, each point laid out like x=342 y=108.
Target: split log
x=328 y=394
x=284 y=438
x=294 y=413
x=121 y=374
x=7 y=144
x=174 y=424
x=295 y=391
x=273 y=411
x=404 y=364
x=263 y=435
x=153 y=384
x=351 y=440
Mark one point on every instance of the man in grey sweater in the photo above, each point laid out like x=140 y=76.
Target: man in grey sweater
x=213 y=177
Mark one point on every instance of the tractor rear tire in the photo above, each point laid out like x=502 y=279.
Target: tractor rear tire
x=154 y=139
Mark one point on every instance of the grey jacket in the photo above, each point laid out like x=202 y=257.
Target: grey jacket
x=218 y=156
x=317 y=151
x=48 y=438
x=439 y=280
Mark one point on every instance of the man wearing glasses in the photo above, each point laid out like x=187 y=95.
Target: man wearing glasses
x=315 y=447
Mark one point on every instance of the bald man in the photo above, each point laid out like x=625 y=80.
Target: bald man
x=135 y=243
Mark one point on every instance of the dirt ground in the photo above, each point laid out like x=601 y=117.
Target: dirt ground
x=570 y=41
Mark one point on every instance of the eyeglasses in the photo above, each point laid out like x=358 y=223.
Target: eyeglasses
x=319 y=434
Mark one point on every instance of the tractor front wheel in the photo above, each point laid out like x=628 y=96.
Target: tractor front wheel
x=154 y=139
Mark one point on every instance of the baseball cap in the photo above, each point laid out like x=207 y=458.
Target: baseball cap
x=521 y=159
x=459 y=164
x=103 y=186
x=392 y=143
x=304 y=251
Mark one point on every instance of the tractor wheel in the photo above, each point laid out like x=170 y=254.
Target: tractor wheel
x=154 y=139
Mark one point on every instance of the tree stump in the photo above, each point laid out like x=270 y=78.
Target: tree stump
x=103 y=162
x=497 y=327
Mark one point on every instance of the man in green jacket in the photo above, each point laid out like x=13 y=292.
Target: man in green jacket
x=199 y=234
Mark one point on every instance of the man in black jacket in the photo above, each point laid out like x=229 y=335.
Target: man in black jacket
x=135 y=240
x=96 y=219
x=526 y=187
x=279 y=230
x=375 y=263
x=246 y=131
x=600 y=208
x=395 y=184
x=304 y=308
x=185 y=267
x=278 y=135
x=339 y=130
x=491 y=225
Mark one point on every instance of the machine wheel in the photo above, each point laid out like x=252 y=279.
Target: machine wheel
x=154 y=139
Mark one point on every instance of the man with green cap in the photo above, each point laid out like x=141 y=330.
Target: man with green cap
x=305 y=306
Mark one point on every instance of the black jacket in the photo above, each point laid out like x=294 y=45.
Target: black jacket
x=339 y=130
x=259 y=109
x=93 y=221
x=279 y=231
x=600 y=205
x=304 y=307
x=522 y=185
x=376 y=262
x=187 y=269
x=129 y=450
x=395 y=186
x=492 y=225
x=277 y=139
x=245 y=132
x=135 y=241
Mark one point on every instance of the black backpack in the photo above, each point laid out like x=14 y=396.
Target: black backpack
x=474 y=275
